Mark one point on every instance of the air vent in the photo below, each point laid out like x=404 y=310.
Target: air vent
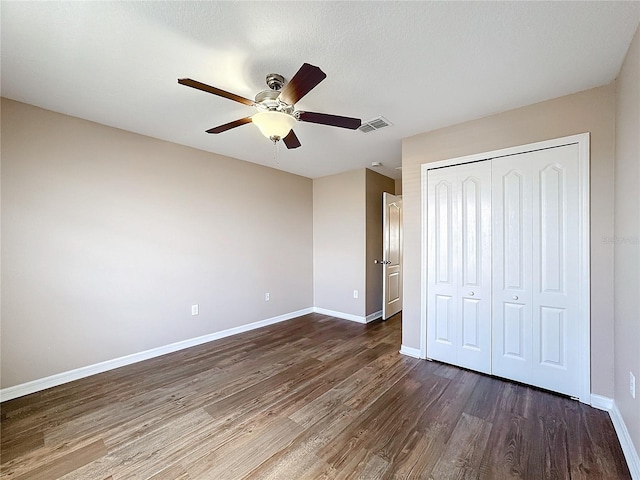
x=366 y=128
x=374 y=124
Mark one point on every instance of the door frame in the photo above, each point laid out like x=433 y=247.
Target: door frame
x=584 y=248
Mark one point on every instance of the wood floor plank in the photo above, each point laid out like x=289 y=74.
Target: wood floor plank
x=66 y=463
x=164 y=401
x=378 y=383
x=484 y=401
x=311 y=398
x=446 y=402
x=370 y=424
x=20 y=444
x=364 y=465
x=300 y=460
x=310 y=389
x=174 y=472
x=420 y=453
x=359 y=390
x=146 y=454
x=461 y=459
x=556 y=454
x=236 y=459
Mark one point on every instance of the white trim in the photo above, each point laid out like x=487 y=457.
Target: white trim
x=347 y=316
x=584 y=256
x=423 y=260
x=582 y=140
x=628 y=449
x=601 y=403
x=33 y=386
x=373 y=316
x=410 y=352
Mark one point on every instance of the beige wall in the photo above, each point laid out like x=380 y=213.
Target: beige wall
x=627 y=239
x=339 y=242
x=398 y=182
x=108 y=237
x=376 y=184
x=347 y=238
x=589 y=111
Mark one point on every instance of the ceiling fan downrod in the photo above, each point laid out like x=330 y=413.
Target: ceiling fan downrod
x=275 y=81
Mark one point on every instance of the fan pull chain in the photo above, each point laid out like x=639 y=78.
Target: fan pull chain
x=276 y=151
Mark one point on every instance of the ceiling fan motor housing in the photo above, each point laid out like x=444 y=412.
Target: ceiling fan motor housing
x=268 y=100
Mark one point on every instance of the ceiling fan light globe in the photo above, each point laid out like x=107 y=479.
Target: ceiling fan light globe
x=273 y=124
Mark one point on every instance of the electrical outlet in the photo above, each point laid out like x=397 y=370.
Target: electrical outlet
x=355 y=294
x=195 y=310
x=266 y=297
x=632 y=385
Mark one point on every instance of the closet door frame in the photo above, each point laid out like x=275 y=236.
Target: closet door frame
x=584 y=335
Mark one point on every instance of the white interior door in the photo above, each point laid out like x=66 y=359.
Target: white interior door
x=392 y=260
x=459 y=265
x=536 y=309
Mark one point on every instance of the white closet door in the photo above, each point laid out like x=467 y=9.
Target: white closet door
x=442 y=335
x=512 y=246
x=459 y=273
x=474 y=283
x=535 y=269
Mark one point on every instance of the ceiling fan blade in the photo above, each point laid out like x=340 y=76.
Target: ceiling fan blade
x=302 y=83
x=216 y=91
x=229 y=126
x=291 y=141
x=326 y=119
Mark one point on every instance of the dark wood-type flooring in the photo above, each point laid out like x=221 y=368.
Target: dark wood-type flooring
x=310 y=398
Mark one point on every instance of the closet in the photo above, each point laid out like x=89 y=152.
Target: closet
x=504 y=270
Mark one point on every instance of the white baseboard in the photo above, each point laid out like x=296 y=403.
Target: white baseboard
x=348 y=316
x=374 y=316
x=409 y=351
x=82 y=372
x=629 y=450
x=601 y=403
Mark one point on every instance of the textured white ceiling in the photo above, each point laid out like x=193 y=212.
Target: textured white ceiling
x=423 y=65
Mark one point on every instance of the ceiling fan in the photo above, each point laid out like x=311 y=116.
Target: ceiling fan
x=276 y=106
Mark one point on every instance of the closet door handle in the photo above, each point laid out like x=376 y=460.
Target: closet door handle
x=515 y=297
x=471 y=294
